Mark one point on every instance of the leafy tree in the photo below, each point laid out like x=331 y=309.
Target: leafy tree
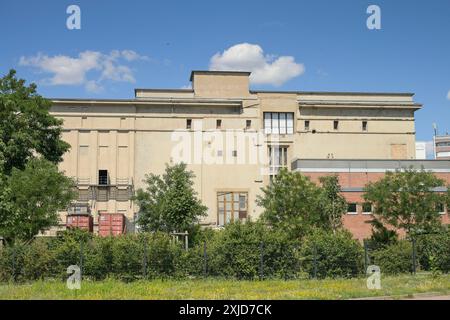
x=332 y=204
x=381 y=236
x=169 y=202
x=31 y=198
x=291 y=202
x=26 y=127
x=405 y=200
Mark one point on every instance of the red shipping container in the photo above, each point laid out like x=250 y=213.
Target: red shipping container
x=82 y=221
x=111 y=224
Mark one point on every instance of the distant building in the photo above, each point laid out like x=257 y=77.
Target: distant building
x=442 y=147
x=421 y=153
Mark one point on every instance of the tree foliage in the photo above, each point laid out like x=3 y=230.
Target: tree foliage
x=291 y=202
x=405 y=200
x=332 y=203
x=26 y=127
x=169 y=202
x=32 y=190
x=31 y=198
x=297 y=205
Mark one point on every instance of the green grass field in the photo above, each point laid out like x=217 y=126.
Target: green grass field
x=228 y=289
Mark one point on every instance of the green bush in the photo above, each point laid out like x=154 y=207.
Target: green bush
x=331 y=255
x=395 y=258
x=433 y=251
x=67 y=248
x=11 y=262
x=38 y=260
x=236 y=252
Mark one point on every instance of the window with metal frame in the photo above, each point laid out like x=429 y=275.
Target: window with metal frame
x=278 y=158
x=278 y=122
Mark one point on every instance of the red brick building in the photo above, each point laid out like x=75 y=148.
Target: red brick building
x=355 y=174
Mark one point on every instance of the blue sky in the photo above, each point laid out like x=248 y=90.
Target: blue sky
x=134 y=44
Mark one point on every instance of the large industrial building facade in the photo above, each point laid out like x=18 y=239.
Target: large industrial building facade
x=232 y=138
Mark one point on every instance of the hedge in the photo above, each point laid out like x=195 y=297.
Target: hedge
x=327 y=254
x=248 y=250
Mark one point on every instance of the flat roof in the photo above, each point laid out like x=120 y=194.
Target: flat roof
x=339 y=93
x=369 y=165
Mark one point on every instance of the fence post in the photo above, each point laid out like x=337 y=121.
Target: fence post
x=261 y=260
x=205 y=261
x=144 y=269
x=315 y=261
x=366 y=256
x=81 y=259
x=414 y=255
x=14 y=262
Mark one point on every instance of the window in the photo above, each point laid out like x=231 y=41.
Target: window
x=248 y=124
x=234 y=153
x=306 y=125
x=442 y=144
x=367 y=208
x=277 y=158
x=352 y=208
x=188 y=124
x=218 y=124
x=335 y=125
x=102 y=177
x=364 y=126
x=443 y=154
x=278 y=122
x=440 y=207
x=232 y=206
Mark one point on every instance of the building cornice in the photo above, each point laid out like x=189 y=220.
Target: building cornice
x=150 y=101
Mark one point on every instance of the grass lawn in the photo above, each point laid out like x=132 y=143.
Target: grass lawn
x=228 y=289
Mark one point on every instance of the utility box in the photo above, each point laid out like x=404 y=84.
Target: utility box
x=111 y=224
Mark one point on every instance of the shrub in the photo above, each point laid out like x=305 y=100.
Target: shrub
x=433 y=251
x=236 y=252
x=395 y=258
x=331 y=255
x=67 y=248
x=38 y=260
x=11 y=262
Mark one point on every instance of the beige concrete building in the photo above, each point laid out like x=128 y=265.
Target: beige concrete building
x=442 y=147
x=116 y=142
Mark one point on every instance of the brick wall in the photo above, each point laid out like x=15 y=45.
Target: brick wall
x=358 y=223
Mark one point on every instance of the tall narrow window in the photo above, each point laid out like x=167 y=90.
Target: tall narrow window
x=188 y=124
x=248 y=124
x=335 y=125
x=364 y=126
x=267 y=123
x=307 y=125
x=102 y=177
x=277 y=158
x=218 y=124
x=282 y=119
x=290 y=123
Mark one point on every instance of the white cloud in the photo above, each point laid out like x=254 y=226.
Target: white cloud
x=93 y=86
x=66 y=70
x=266 y=69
